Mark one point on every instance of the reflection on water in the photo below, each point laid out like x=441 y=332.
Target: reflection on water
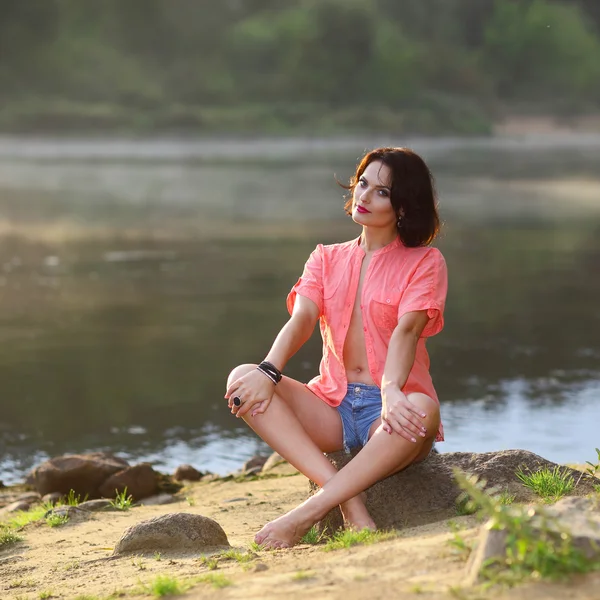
x=128 y=291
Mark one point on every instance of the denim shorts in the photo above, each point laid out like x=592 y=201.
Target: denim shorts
x=360 y=407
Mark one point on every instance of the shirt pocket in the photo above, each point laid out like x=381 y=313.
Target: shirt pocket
x=384 y=312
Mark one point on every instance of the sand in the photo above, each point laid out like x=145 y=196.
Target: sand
x=74 y=559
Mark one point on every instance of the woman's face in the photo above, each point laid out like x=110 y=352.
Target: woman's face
x=371 y=204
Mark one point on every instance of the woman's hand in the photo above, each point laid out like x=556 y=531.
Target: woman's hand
x=255 y=391
x=400 y=415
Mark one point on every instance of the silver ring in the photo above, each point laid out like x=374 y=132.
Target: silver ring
x=237 y=401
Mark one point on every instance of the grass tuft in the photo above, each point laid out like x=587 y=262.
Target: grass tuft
x=8 y=538
x=313 y=536
x=216 y=580
x=348 y=538
x=240 y=557
x=57 y=520
x=550 y=485
x=122 y=501
x=303 y=575
x=165 y=585
x=536 y=545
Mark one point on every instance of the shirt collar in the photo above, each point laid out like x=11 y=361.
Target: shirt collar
x=391 y=246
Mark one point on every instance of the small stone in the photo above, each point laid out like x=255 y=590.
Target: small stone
x=97 y=505
x=157 y=500
x=187 y=473
x=17 y=506
x=254 y=463
x=30 y=497
x=271 y=462
x=52 y=498
x=175 y=532
x=234 y=500
x=260 y=567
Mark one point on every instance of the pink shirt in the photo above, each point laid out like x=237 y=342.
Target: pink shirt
x=398 y=280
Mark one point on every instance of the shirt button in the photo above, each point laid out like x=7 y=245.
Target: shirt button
x=364 y=328
x=370 y=350
x=388 y=300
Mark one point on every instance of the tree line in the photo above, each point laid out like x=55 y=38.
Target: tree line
x=278 y=65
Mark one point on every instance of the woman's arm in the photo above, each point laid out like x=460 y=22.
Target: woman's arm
x=254 y=388
x=398 y=413
x=295 y=333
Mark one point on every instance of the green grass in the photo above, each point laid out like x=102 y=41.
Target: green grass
x=216 y=580
x=240 y=557
x=122 y=501
x=313 y=536
x=536 y=545
x=73 y=500
x=22 y=518
x=210 y=562
x=57 y=520
x=505 y=498
x=348 y=538
x=45 y=595
x=550 y=485
x=302 y=576
x=255 y=547
x=165 y=585
x=8 y=538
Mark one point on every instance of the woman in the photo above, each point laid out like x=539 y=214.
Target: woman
x=377 y=298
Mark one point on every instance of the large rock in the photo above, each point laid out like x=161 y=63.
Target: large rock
x=83 y=473
x=579 y=517
x=174 y=533
x=140 y=481
x=426 y=492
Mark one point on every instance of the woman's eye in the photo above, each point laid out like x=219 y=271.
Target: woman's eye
x=362 y=183
x=383 y=193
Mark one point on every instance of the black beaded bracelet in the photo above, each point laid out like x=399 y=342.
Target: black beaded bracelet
x=271 y=371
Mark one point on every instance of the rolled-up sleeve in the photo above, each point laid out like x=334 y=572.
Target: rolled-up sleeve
x=427 y=290
x=310 y=285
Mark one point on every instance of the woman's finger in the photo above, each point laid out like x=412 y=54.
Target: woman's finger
x=247 y=404
x=400 y=430
x=261 y=407
x=232 y=387
x=411 y=421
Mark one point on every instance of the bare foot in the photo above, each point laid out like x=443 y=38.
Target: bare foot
x=355 y=513
x=284 y=532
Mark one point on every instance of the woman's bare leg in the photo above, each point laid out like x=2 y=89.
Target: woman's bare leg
x=383 y=455
x=301 y=427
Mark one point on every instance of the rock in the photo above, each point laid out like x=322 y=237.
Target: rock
x=261 y=566
x=426 y=492
x=271 y=462
x=53 y=498
x=187 y=473
x=30 y=497
x=580 y=517
x=159 y=499
x=175 y=532
x=83 y=473
x=17 y=506
x=73 y=513
x=140 y=480
x=254 y=463
x=97 y=505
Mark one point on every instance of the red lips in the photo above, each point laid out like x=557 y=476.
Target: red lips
x=362 y=210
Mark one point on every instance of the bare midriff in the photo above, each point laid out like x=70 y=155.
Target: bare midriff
x=355 y=350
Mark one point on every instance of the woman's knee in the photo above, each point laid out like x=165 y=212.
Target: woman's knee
x=431 y=409
x=238 y=372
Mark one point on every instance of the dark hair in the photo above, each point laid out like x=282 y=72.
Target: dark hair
x=412 y=194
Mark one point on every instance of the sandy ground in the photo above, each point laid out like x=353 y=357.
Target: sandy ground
x=71 y=560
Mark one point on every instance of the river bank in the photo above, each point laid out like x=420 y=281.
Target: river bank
x=73 y=561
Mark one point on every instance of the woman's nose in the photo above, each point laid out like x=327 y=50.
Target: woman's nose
x=364 y=196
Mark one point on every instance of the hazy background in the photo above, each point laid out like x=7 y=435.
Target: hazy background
x=166 y=167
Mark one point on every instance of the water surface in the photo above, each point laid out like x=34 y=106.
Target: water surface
x=134 y=275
